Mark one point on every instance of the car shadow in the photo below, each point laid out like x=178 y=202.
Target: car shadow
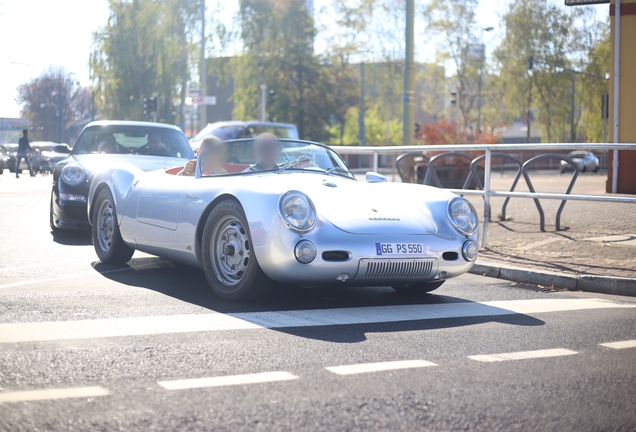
x=188 y=284
x=72 y=237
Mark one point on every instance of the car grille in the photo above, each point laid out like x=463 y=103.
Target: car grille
x=396 y=268
x=76 y=212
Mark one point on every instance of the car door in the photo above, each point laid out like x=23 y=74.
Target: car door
x=158 y=203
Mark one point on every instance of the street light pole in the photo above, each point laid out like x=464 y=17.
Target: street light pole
x=481 y=66
x=409 y=76
x=202 y=71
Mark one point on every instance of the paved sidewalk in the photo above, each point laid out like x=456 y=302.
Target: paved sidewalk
x=595 y=238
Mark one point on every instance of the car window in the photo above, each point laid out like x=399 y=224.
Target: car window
x=128 y=139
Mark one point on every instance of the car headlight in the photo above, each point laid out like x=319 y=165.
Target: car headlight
x=73 y=175
x=297 y=211
x=463 y=216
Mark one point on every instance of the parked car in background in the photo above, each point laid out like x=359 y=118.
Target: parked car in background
x=230 y=130
x=3 y=158
x=102 y=145
x=586 y=161
x=12 y=152
x=46 y=154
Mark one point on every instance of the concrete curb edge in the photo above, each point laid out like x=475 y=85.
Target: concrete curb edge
x=590 y=283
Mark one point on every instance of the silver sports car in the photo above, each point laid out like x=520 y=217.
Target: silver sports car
x=264 y=210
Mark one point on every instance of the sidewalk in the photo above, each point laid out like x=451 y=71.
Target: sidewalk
x=595 y=238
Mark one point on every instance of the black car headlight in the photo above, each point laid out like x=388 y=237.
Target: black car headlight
x=463 y=216
x=297 y=211
x=73 y=175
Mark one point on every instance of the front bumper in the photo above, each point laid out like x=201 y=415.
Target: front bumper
x=69 y=215
x=441 y=260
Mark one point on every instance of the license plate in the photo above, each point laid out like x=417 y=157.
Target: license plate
x=400 y=249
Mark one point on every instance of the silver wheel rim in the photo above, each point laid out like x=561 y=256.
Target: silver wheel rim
x=229 y=250
x=105 y=225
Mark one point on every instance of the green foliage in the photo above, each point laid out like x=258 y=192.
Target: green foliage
x=145 y=49
x=592 y=89
x=376 y=127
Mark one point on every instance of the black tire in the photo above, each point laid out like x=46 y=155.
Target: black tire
x=584 y=169
x=54 y=229
x=109 y=245
x=418 y=288
x=595 y=169
x=228 y=257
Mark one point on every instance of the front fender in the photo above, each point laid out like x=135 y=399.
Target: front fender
x=120 y=181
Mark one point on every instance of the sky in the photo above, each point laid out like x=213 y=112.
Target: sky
x=36 y=34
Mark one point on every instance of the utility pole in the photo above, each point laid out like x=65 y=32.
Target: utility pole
x=572 y=131
x=409 y=76
x=361 y=129
x=202 y=71
x=482 y=56
x=263 y=105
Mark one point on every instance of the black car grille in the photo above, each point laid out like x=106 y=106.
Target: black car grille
x=76 y=212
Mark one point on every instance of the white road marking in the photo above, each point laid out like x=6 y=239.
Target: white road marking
x=378 y=367
x=47 y=264
x=231 y=380
x=36 y=395
x=74 y=276
x=523 y=355
x=113 y=327
x=620 y=345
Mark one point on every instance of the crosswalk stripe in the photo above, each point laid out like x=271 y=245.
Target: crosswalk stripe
x=220 y=381
x=378 y=367
x=620 y=345
x=48 y=394
x=522 y=355
x=113 y=327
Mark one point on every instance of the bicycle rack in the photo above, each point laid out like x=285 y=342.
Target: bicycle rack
x=475 y=175
x=432 y=174
x=414 y=175
x=524 y=170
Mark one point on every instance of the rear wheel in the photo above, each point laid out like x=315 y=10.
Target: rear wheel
x=228 y=257
x=418 y=288
x=109 y=245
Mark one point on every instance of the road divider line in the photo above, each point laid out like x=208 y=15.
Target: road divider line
x=620 y=344
x=153 y=325
x=231 y=380
x=523 y=355
x=50 y=394
x=378 y=367
x=75 y=276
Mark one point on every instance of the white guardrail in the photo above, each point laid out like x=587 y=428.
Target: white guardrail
x=375 y=151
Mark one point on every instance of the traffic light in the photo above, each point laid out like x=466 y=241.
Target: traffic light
x=454 y=98
x=152 y=104
x=271 y=96
x=530 y=63
x=146 y=111
x=418 y=128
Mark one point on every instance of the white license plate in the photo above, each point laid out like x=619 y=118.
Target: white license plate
x=400 y=249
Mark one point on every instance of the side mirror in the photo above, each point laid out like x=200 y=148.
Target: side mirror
x=374 y=177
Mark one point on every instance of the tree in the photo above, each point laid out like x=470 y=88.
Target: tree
x=455 y=21
x=278 y=41
x=145 y=49
x=50 y=102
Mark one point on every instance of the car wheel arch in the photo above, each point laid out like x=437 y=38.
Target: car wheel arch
x=204 y=217
x=98 y=189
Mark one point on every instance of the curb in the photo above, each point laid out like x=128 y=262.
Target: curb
x=589 y=283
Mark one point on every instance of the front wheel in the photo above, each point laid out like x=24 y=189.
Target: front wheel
x=228 y=255
x=418 y=288
x=107 y=240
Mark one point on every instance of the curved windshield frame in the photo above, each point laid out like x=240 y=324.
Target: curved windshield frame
x=133 y=139
x=249 y=157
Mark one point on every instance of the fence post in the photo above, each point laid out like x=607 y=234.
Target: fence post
x=484 y=230
x=375 y=161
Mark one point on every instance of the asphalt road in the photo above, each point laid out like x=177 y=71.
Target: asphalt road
x=85 y=346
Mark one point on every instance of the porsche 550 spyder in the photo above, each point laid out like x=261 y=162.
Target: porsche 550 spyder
x=259 y=211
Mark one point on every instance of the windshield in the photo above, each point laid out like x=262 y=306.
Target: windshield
x=248 y=156
x=128 y=139
x=227 y=132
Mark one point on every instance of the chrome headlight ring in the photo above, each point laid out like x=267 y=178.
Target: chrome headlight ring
x=463 y=216
x=297 y=211
x=73 y=175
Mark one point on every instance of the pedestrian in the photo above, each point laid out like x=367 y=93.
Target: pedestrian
x=23 y=152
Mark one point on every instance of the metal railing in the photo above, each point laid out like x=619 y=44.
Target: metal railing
x=488 y=149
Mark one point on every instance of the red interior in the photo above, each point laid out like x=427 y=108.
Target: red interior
x=229 y=168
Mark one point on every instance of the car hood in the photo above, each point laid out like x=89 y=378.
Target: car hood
x=97 y=162
x=358 y=207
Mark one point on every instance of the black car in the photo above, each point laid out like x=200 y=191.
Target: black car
x=102 y=144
